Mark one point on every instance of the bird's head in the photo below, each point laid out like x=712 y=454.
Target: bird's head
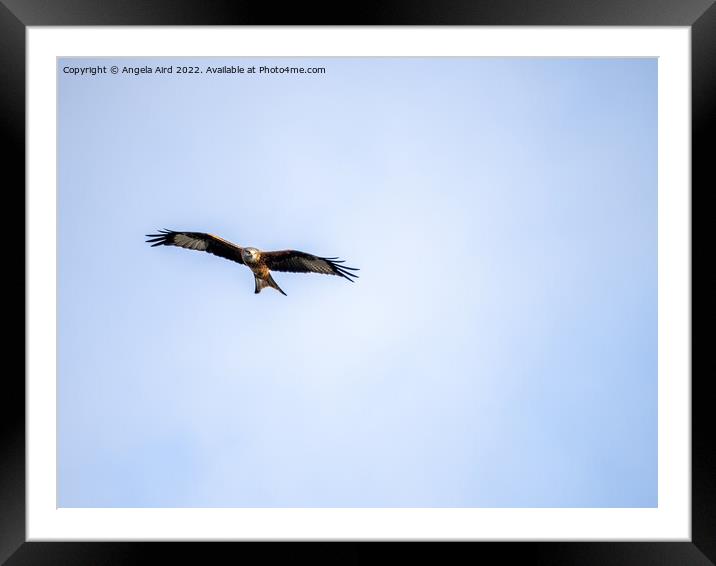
x=250 y=255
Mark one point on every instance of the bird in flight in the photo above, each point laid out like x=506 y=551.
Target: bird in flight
x=260 y=262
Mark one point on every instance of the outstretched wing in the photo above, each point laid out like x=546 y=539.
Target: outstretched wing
x=301 y=262
x=197 y=241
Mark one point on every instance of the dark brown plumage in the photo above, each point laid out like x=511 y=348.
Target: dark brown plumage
x=261 y=263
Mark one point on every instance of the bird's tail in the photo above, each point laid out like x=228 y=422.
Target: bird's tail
x=268 y=282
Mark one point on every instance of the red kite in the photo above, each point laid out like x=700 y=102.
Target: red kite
x=261 y=263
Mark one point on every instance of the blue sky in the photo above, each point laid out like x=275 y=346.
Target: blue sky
x=499 y=349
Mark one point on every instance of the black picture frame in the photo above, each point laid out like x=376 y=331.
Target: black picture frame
x=17 y=15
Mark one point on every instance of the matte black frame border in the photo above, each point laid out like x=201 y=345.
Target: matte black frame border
x=16 y=15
